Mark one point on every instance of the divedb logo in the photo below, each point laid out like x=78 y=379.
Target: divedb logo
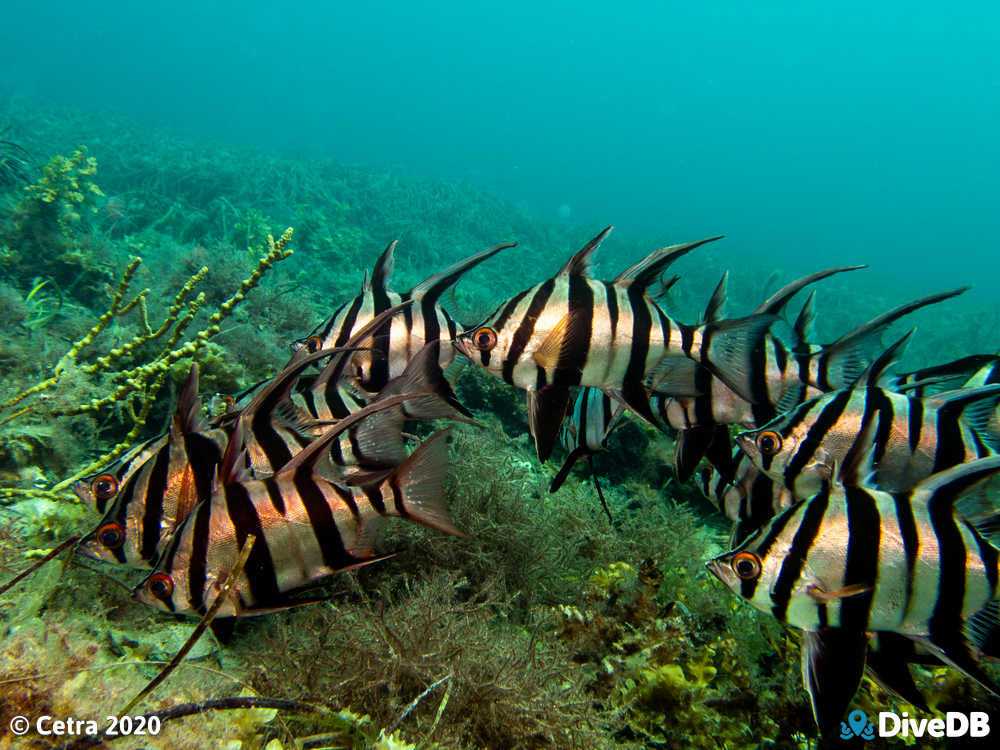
x=891 y=724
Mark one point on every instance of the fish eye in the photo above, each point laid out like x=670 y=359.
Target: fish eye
x=768 y=442
x=746 y=565
x=111 y=535
x=313 y=344
x=160 y=585
x=484 y=339
x=104 y=487
x=230 y=402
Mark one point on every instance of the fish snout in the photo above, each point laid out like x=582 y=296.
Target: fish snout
x=82 y=491
x=745 y=440
x=461 y=344
x=721 y=570
x=88 y=547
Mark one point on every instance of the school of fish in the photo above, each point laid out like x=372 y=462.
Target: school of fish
x=859 y=496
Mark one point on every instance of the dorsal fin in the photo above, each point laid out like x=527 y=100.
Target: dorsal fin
x=335 y=367
x=188 y=417
x=579 y=264
x=431 y=288
x=975 y=407
x=985 y=375
x=666 y=286
x=316 y=449
x=716 y=307
x=382 y=272
x=777 y=301
x=951 y=486
x=968 y=372
x=877 y=369
x=232 y=467
x=804 y=323
x=645 y=272
x=846 y=358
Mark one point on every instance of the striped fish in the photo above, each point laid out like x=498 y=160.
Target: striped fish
x=750 y=500
x=307 y=527
x=168 y=482
x=396 y=343
x=783 y=375
x=152 y=490
x=283 y=415
x=155 y=487
x=573 y=330
x=872 y=435
x=851 y=561
x=592 y=420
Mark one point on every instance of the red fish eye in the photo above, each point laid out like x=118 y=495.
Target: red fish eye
x=746 y=565
x=313 y=344
x=484 y=339
x=111 y=535
x=160 y=585
x=104 y=487
x=768 y=442
x=230 y=402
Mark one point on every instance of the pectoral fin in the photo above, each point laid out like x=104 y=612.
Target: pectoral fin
x=824 y=597
x=547 y=355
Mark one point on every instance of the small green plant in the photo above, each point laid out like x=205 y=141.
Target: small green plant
x=42 y=303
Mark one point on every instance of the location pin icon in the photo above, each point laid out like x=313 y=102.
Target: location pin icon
x=857 y=721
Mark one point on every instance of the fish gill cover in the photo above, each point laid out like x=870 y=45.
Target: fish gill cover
x=144 y=202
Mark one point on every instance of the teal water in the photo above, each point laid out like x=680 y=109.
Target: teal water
x=811 y=137
x=826 y=134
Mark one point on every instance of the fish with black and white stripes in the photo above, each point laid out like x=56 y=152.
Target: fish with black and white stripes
x=306 y=526
x=396 y=342
x=853 y=561
x=574 y=330
x=750 y=499
x=785 y=371
x=148 y=493
x=870 y=435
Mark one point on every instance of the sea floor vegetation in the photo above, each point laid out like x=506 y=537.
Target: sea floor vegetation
x=550 y=627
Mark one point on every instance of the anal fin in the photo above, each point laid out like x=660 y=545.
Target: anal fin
x=222 y=629
x=690 y=448
x=833 y=662
x=889 y=665
x=575 y=455
x=720 y=452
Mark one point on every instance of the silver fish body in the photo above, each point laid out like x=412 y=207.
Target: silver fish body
x=574 y=330
x=306 y=527
x=850 y=562
x=390 y=348
x=872 y=435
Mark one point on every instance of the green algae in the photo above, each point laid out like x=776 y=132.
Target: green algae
x=550 y=627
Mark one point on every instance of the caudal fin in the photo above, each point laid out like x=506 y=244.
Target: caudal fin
x=420 y=480
x=733 y=349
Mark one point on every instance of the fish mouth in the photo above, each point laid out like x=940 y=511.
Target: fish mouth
x=85 y=548
x=138 y=594
x=745 y=441
x=720 y=570
x=462 y=347
x=82 y=491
